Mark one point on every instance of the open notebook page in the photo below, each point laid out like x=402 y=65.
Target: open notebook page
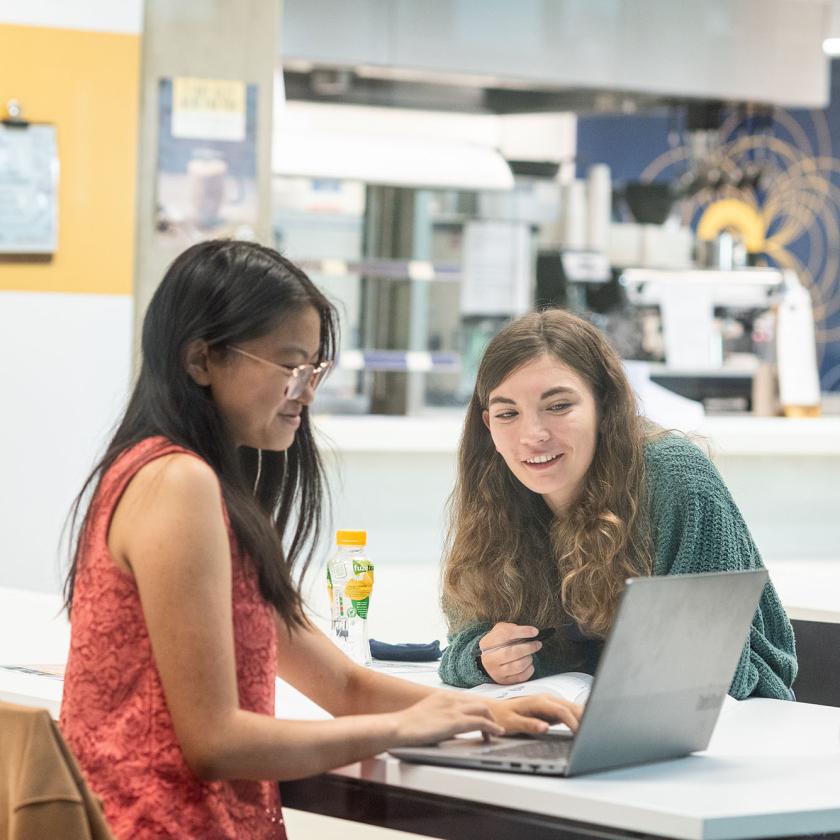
x=572 y=686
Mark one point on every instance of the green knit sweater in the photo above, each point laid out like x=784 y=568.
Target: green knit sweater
x=696 y=527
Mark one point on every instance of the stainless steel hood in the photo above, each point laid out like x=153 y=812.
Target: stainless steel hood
x=501 y=56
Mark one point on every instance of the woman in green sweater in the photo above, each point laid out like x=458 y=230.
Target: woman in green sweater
x=564 y=492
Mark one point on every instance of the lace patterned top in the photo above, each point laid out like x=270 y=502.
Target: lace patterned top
x=113 y=711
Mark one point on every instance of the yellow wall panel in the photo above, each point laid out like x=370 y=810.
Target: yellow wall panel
x=87 y=84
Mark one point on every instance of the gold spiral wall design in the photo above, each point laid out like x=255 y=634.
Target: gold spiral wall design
x=797 y=203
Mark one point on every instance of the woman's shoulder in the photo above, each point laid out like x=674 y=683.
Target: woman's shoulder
x=678 y=466
x=177 y=473
x=177 y=498
x=153 y=453
x=669 y=446
x=156 y=472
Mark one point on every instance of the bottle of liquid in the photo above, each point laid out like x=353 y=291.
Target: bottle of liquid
x=349 y=584
x=796 y=351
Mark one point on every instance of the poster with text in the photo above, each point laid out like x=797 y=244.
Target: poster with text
x=207 y=160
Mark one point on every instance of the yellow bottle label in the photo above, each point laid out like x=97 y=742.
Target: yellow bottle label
x=359 y=588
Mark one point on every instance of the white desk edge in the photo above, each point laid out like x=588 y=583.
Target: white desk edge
x=739 y=788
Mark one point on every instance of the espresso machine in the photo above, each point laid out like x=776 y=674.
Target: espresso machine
x=724 y=330
x=690 y=304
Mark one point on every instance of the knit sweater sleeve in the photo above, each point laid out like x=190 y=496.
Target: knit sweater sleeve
x=697 y=527
x=457 y=665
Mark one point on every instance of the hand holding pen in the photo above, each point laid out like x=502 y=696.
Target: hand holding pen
x=507 y=651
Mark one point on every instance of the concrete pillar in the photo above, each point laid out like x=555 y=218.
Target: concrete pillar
x=210 y=39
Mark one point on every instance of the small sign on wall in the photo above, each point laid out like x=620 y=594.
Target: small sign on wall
x=497 y=268
x=28 y=189
x=206 y=109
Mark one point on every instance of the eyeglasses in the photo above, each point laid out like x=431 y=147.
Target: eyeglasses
x=300 y=377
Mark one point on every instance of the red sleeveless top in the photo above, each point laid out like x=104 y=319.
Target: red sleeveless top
x=113 y=711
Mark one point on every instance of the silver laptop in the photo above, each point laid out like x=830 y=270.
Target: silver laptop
x=662 y=678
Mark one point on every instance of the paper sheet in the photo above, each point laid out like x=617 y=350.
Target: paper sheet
x=572 y=686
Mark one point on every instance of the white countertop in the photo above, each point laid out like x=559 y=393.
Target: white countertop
x=772 y=768
x=441 y=433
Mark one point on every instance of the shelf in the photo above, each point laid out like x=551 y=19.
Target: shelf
x=412 y=361
x=662 y=371
x=382 y=269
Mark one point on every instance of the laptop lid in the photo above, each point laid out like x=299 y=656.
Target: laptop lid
x=661 y=681
x=666 y=668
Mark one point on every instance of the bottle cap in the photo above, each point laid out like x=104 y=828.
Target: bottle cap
x=351 y=537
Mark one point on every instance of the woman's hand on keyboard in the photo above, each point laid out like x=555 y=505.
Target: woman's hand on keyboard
x=534 y=713
x=442 y=715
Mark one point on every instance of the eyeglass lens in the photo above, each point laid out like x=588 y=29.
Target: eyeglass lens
x=301 y=380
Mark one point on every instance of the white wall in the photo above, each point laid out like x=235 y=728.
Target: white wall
x=93 y=15
x=64 y=352
x=64 y=368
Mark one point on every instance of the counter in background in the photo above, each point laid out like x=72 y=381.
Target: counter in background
x=809 y=589
x=730 y=435
x=393 y=475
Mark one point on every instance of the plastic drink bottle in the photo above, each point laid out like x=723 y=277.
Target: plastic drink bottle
x=349 y=584
x=796 y=350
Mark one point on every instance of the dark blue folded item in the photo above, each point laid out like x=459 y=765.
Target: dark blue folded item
x=405 y=652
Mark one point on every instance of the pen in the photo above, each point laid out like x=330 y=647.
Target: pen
x=545 y=633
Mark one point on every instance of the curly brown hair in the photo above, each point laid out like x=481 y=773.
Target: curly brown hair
x=507 y=554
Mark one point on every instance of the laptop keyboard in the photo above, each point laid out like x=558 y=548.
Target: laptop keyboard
x=554 y=748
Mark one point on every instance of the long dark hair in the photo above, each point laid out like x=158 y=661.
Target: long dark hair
x=226 y=292
x=506 y=552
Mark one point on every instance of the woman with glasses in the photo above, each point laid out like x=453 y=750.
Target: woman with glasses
x=182 y=595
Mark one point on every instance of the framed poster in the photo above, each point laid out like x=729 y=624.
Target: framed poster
x=28 y=189
x=207 y=159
